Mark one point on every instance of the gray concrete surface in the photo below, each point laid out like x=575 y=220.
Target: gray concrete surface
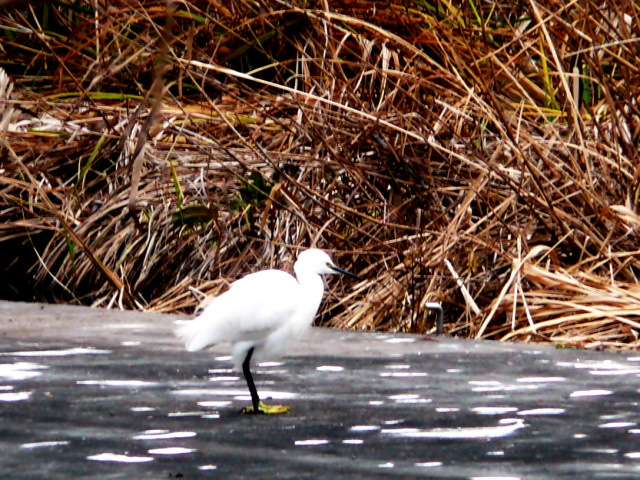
x=87 y=393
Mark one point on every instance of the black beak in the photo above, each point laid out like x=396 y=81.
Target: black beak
x=344 y=272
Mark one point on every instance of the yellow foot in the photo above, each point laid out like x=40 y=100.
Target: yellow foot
x=266 y=409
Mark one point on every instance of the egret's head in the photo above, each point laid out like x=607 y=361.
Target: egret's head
x=319 y=262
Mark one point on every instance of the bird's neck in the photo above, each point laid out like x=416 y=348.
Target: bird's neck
x=312 y=288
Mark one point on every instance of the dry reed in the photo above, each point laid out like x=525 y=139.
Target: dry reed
x=481 y=155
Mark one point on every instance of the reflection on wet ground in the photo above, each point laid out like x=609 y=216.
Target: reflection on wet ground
x=364 y=406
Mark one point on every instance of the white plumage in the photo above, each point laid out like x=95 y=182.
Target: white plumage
x=251 y=311
x=262 y=313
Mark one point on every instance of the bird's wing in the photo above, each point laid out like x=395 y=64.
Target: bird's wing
x=263 y=302
x=252 y=308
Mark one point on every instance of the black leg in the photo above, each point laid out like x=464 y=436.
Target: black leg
x=255 y=400
x=258 y=406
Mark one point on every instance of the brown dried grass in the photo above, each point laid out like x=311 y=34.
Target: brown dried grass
x=483 y=156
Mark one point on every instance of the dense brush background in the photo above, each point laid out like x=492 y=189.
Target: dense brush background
x=479 y=154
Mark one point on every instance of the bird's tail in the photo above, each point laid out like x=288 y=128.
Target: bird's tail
x=197 y=334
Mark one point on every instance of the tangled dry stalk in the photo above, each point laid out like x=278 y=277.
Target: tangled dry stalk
x=482 y=155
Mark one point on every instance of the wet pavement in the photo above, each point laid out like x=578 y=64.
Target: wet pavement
x=87 y=393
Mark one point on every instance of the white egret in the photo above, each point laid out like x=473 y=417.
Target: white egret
x=261 y=314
